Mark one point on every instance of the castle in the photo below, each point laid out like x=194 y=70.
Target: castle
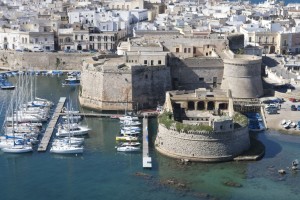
x=147 y=67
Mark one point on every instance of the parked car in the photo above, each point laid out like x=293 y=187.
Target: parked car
x=27 y=50
x=37 y=49
x=293 y=108
x=298 y=107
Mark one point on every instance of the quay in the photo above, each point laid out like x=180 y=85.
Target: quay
x=147 y=161
x=50 y=128
x=104 y=115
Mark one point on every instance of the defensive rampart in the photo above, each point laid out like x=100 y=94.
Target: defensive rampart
x=42 y=60
x=202 y=146
x=242 y=75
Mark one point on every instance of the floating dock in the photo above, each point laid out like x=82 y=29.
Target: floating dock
x=147 y=161
x=50 y=128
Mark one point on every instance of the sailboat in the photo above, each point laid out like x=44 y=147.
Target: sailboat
x=67 y=148
x=16 y=147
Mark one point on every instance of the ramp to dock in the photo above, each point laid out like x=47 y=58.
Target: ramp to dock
x=147 y=161
x=50 y=128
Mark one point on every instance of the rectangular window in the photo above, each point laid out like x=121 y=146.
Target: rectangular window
x=177 y=50
x=201 y=79
x=184 y=50
x=105 y=38
x=46 y=39
x=189 y=50
x=145 y=62
x=159 y=62
x=207 y=46
x=75 y=37
x=152 y=62
x=250 y=39
x=82 y=37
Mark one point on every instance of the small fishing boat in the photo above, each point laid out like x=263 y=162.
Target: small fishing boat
x=283 y=122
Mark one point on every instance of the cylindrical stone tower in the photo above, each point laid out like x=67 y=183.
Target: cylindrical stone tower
x=242 y=76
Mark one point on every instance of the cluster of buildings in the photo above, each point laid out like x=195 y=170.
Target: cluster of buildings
x=102 y=24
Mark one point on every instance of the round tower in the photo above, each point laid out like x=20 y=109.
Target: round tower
x=242 y=76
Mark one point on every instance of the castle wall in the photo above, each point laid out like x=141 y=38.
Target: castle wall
x=42 y=61
x=193 y=73
x=138 y=87
x=149 y=85
x=202 y=146
x=242 y=75
x=106 y=90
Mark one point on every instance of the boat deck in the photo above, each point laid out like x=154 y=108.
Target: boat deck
x=147 y=161
x=50 y=128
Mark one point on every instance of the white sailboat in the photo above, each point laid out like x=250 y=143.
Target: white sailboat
x=66 y=148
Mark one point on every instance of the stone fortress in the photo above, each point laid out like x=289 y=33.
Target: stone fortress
x=203 y=78
x=146 y=67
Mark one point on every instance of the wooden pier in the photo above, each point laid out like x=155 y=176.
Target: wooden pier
x=50 y=128
x=147 y=161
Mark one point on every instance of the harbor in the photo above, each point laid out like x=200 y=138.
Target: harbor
x=103 y=162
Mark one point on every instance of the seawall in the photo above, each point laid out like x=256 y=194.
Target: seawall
x=41 y=60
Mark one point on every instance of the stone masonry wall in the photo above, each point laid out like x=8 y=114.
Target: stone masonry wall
x=106 y=90
x=149 y=85
x=42 y=61
x=206 y=147
x=243 y=77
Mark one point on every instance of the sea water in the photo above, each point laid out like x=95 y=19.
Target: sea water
x=103 y=173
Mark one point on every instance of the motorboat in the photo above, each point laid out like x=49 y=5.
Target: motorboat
x=130 y=132
x=72 y=130
x=7 y=86
x=128 y=148
x=128 y=118
x=126 y=138
x=130 y=123
x=72 y=80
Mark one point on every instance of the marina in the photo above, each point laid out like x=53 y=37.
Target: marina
x=50 y=128
x=104 y=163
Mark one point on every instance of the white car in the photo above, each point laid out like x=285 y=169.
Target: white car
x=37 y=49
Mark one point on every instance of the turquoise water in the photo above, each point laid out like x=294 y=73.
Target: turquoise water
x=103 y=173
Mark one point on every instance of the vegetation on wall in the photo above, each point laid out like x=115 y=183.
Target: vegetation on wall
x=240 y=119
x=166 y=119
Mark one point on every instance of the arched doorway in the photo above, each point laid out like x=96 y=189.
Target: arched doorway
x=200 y=105
x=210 y=105
x=79 y=47
x=191 y=105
